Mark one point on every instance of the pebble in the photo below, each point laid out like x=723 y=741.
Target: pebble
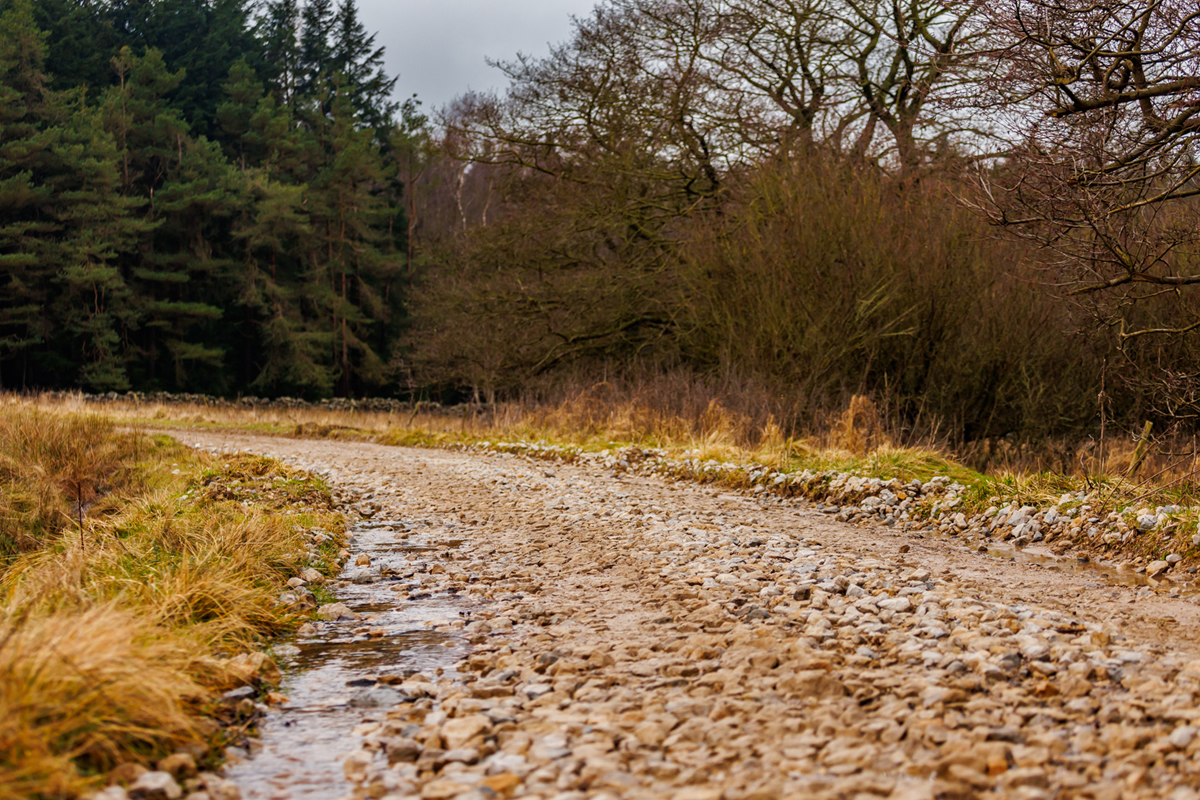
x=1157 y=568
x=155 y=786
x=337 y=612
x=1182 y=736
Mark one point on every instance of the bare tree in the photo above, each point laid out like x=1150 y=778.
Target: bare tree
x=915 y=64
x=609 y=148
x=694 y=88
x=1106 y=177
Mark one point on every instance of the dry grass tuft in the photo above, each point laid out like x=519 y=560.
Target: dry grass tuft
x=114 y=636
x=860 y=428
x=80 y=692
x=51 y=469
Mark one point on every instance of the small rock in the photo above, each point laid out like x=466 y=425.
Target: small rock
x=378 y=697
x=698 y=793
x=812 y=683
x=356 y=764
x=460 y=730
x=155 y=786
x=1156 y=568
x=504 y=783
x=1182 y=736
x=463 y=755
x=443 y=789
x=126 y=773
x=1033 y=649
x=110 y=793
x=363 y=560
x=312 y=576
x=480 y=794
x=401 y=750
x=536 y=690
x=219 y=788
x=897 y=604
x=179 y=766
x=1005 y=734
x=254 y=667
x=1174 y=558
x=336 y=612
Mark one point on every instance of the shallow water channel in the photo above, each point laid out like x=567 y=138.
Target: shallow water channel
x=330 y=675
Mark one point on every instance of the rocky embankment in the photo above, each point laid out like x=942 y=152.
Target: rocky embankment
x=636 y=638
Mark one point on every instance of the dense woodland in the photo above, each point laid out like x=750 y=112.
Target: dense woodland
x=196 y=196
x=982 y=215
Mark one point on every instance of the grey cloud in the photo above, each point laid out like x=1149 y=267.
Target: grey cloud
x=438 y=48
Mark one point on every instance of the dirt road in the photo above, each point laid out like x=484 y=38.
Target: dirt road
x=634 y=638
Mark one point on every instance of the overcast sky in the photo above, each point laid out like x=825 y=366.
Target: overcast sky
x=438 y=47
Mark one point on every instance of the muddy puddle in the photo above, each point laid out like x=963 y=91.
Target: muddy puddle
x=341 y=675
x=1103 y=573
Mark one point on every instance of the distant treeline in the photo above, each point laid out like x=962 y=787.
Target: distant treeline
x=776 y=205
x=195 y=196
x=781 y=204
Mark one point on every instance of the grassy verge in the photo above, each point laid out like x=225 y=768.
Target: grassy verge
x=138 y=581
x=1102 y=512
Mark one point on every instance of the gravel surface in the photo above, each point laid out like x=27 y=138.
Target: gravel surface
x=638 y=638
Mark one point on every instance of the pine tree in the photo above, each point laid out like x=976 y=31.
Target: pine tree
x=191 y=194
x=285 y=148
x=148 y=131
x=290 y=348
x=235 y=115
x=63 y=300
x=316 y=53
x=279 y=30
x=198 y=39
x=360 y=62
x=93 y=305
x=81 y=41
x=27 y=246
x=348 y=221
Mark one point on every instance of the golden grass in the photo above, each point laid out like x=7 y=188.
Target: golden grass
x=80 y=692
x=584 y=421
x=859 y=440
x=114 y=634
x=50 y=470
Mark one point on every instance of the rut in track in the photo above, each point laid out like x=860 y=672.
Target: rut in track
x=634 y=638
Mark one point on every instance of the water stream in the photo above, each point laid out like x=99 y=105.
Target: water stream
x=338 y=676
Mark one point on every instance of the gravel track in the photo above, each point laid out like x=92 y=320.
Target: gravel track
x=635 y=638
